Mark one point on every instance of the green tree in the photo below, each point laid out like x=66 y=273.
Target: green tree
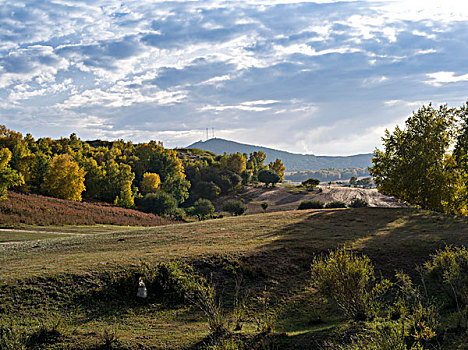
x=206 y=189
x=277 y=167
x=416 y=164
x=125 y=199
x=203 y=208
x=160 y=203
x=8 y=176
x=268 y=177
x=64 y=179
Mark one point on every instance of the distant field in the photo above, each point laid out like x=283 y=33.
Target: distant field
x=20 y=210
x=44 y=279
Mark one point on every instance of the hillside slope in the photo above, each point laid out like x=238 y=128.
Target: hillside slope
x=32 y=209
x=292 y=161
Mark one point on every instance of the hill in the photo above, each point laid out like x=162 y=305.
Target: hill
x=89 y=283
x=292 y=161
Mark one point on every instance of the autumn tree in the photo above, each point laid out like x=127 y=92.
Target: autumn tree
x=150 y=183
x=235 y=162
x=417 y=165
x=64 y=178
x=277 y=167
x=8 y=176
x=256 y=163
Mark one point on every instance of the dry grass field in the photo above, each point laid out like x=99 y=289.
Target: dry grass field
x=54 y=279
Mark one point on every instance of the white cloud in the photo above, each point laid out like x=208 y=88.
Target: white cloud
x=441 y=78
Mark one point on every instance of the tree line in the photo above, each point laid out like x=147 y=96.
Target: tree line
x=124 y=173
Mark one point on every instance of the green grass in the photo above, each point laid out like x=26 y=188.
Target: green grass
x=42 y=280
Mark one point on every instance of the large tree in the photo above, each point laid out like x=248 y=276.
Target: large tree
x=417 y=165
x=64 y=178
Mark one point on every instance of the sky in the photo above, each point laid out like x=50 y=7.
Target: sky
x=320 y=77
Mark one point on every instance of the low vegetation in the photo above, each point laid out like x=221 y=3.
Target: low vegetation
x=311 y=204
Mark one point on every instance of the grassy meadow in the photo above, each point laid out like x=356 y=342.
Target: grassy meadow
x=73 y=292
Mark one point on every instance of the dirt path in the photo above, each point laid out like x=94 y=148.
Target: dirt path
x=55 y=233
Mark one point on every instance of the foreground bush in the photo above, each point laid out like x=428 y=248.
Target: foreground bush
x=311 y=204
x=350 y=281
x=335 y=204
x=449 y=268
x=234 y=207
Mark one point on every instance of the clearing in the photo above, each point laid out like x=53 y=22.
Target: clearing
x=67 y=278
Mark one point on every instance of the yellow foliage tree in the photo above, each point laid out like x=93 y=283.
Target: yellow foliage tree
x=8 y=176
x=64 y=179
x=234 y=162
x=277 y=167
x=150 y=183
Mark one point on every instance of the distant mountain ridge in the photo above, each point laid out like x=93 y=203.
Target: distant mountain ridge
x=292 y=161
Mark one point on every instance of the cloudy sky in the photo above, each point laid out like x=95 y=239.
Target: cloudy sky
x=322 y=77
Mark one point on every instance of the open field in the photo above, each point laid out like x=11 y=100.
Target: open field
x=58 y=278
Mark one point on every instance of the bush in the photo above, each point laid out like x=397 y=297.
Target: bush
x=264 y=206
x=335 y=204
x=311 y=204
x=310 y=183
x=203 y=208
x=449 y=267
x=234 y=207
x=358 y=203
x=349 y=280
x=160 y=203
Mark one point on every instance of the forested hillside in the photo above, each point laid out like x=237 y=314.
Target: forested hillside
x=145 y=175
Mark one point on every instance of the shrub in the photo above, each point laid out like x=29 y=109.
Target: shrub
x=11 y=338
x=234 y=207
x=310 y=183
x=311 y=204
x=449 y=267
x=264 y=206
x=335 y=204
x=349 y=280
x=358 y=203
x=178 y=214
x=203 y=208
x=160 y=203
x=203 y=295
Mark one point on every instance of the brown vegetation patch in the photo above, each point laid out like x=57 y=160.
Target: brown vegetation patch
x=31 y=209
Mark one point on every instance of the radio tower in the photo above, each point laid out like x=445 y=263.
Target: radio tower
x=207 y=136
x=212 y=132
